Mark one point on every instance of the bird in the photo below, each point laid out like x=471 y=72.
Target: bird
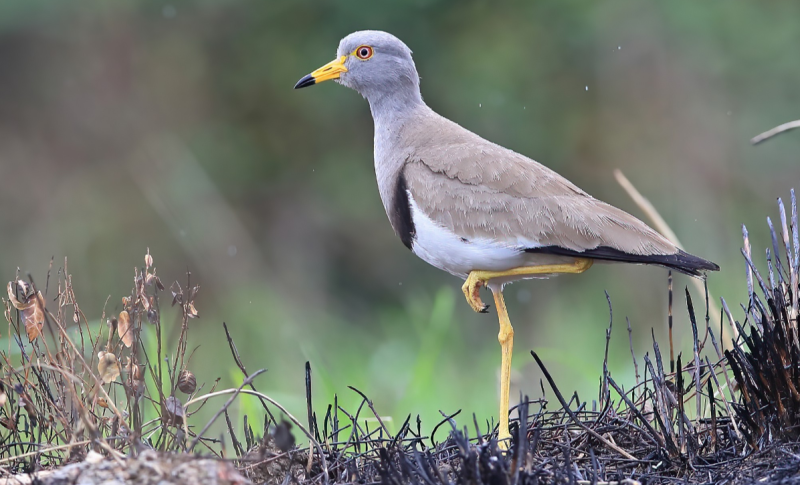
x=475 y=209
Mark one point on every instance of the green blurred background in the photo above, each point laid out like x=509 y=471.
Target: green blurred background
x=174 y=126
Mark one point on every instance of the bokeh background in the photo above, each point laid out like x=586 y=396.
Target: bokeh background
x=174 y=126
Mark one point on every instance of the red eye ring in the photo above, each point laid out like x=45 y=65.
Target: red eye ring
x=364 y=52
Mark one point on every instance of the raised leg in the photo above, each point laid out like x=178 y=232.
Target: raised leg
x=478 y=278
x=506 y=339
x=471 y=290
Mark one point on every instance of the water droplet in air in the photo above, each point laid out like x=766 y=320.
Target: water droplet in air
x=169 y=11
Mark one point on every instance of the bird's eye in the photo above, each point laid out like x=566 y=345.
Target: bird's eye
x=364 y=52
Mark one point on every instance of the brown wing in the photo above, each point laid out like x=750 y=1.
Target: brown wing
x=479 y=189
x=510 y=212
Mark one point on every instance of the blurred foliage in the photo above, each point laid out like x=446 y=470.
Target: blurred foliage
x=174 y=126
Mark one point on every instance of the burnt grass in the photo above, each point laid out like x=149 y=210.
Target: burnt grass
x=725 y=411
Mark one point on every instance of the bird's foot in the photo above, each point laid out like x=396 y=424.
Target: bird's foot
x=472 y=289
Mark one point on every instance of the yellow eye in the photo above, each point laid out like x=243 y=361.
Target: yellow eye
x=364 y=52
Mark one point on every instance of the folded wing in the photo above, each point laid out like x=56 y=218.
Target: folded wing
x=479 y=190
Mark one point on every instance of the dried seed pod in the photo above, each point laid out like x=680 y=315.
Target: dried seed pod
x=172 y=411
x=108 y=366
x=134 y=384
x=135 y=371
x=187 y=383
x=101 y=401
x=148 y=260
x=24 y=288
x=31 y=307
x=124 y=329
x=191 y=311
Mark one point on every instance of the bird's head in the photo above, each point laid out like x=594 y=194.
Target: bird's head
x=372 y=62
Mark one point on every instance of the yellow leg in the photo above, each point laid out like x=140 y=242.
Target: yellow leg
x=471 y=290
x=506 y=339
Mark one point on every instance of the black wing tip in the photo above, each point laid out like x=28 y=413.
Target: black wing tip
x=695 y=262
x=691 y=265
x=681 y=261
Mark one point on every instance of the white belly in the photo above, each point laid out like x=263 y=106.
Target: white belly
x=445 y=250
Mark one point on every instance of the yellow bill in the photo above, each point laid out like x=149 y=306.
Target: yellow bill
x=331 y=70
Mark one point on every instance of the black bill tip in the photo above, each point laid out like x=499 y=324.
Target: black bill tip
x=307 y=80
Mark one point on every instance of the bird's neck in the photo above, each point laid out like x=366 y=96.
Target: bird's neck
x=392 y=114
x=391 y=109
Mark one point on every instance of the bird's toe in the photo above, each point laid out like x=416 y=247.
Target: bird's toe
x=472 y=292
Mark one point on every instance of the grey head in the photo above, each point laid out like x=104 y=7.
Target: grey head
x=377 y=65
